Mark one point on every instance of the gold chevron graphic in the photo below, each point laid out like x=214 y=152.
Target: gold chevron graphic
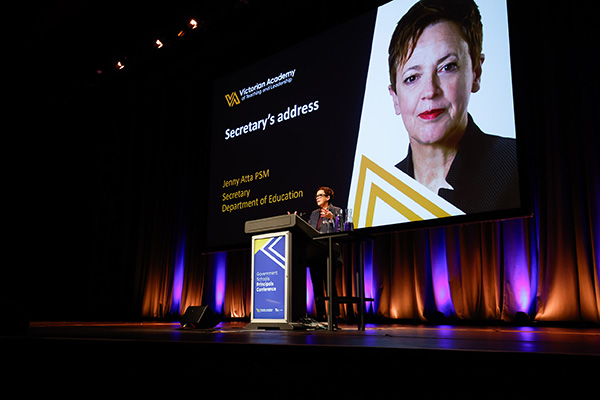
x=376 y=192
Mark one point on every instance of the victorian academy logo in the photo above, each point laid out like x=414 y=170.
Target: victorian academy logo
x=232 y=99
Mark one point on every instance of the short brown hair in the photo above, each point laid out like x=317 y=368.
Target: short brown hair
x=464 y=13
x=328 y=192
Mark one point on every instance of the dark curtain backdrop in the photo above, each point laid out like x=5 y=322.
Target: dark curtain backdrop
x=130 y=199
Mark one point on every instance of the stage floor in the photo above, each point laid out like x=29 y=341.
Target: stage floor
x=546 y=340
x=423 y=356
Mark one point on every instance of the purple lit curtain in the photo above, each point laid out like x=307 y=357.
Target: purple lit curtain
x=482 y=271
x=220 y=280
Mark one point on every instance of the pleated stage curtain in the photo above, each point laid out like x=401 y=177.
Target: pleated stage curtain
x=475 y=272
x=470 y=272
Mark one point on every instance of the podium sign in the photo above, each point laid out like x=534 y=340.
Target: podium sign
x=278 y=273
x=271 y=266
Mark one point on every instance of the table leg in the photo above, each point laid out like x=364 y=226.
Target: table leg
x=330 y=283
x=361 y=288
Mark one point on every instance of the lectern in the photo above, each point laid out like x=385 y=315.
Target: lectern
x=279 y=246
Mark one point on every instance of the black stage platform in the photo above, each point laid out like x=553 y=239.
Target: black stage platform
x=406 y=360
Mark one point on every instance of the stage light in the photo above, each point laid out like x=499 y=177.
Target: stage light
x=522 y=318
x=120 y=65
x=436 y=317
x=193 y=24
x=158 y=44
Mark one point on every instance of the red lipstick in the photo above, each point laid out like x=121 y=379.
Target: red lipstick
x=431 y=114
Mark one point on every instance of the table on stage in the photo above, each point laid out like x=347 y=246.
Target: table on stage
x=346 y=237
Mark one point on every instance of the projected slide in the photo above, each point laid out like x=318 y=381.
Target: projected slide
x=433 y=138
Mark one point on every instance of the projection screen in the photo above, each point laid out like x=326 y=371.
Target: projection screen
x=321 y=113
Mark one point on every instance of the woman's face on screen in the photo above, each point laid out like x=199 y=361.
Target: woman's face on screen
x=433 y=86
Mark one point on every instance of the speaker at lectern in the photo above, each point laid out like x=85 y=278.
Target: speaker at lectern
x=278 y=250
